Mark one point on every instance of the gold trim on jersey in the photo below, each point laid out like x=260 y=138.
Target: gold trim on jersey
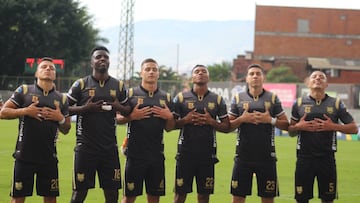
x=181 y=97
x=121 y=84
x=219 y=99
x=25 y=89
x=82 y=83
x=131 y=92
x=64 y=97
x=168 y=97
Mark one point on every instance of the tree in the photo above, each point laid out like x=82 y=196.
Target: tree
x=37 y=28
x=281 y=74
x=220 y=72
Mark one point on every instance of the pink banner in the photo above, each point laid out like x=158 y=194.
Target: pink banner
x=285 y=92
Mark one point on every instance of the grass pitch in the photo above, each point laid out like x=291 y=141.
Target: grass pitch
x=348 y=165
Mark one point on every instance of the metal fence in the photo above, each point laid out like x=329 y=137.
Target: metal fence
x=9 y=83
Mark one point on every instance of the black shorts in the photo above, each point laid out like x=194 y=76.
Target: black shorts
x=47 y=179
x=138 y=170
x=266 y=177
x=324 y=169
x=185 y=173
x=107 y=167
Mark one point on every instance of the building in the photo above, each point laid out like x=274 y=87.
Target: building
x=305 y=39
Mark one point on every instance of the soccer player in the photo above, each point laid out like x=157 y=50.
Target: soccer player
x=150 y=116
x=315 y=120
x=199 y=113
x=42 y=111
x=255 y=113
x=95 y=99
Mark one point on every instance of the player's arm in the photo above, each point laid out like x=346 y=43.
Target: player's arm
x=327 y=124
x=280 y=122
x=11 y=111
x=349 y=128
x=223 y=125
x=124 y=109
x=65 y=125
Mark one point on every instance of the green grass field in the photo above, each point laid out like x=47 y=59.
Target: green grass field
x=347 y=160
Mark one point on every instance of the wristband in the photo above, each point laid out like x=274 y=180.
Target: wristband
x=62 y=121
x=273 y=121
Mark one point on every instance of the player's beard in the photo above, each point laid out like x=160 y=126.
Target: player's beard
x=102 y=69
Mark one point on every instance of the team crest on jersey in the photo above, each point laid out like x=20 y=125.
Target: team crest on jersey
x=267 y=105
x=179 y=182
x=56 y=103
x=130 y=186
x=80 y=177
x=234 y=184
x=190 y=105
x=246 y=106
x=35 y=98
x=140 y=100
x=211 y=105
x=18 y=185
x=113 y=93
x=307 y=109
x=162 y=102
x=299 y=189
x=91 y=92
x=330 y=109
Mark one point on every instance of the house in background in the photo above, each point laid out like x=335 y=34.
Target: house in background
x=305 y=39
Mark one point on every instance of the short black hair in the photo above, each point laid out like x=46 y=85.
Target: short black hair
x=198 y=65
x=255 y=65
x=99 y=48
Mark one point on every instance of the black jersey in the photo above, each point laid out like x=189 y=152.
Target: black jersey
x=198 y=142
x=96 y=131
x=36 y=141
x=318 y=143
x=256 y=142
x=145 y=136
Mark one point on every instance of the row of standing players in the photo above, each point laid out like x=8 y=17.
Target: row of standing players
x=101 y=102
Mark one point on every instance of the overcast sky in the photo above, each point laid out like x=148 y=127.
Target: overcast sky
x=107 y=12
